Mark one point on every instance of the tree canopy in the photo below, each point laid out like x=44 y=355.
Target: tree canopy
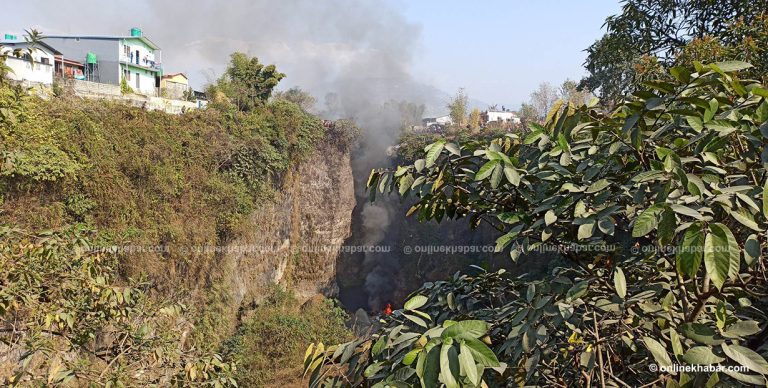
x=660 y=30
x=247 y=82
x=659 y=209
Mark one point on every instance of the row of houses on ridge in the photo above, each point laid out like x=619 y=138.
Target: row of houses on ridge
x=490 y=116
x=121 y=60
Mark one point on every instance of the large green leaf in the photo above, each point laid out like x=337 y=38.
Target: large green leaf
x=482 y=354
x=577 y=290
x=449 y=365
x=691 y=250
x=466 y=330
x=731 y=66
x=658 y=351
x=415 y=302
x=434 y=152
x=700 y=333
x=468 y=364
x=765 y=200
x=647 y=221
x=721 y=252
x=620 y=283
x=742 y=329
x=486 y=170
x=702 y=355
x=746 y=357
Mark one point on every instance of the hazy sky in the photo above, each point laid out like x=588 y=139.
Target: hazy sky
x=498 y=50
x=501 y=50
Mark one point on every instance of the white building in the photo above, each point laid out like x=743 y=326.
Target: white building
x=500 y=116
x=442 y=120
x=35 y=67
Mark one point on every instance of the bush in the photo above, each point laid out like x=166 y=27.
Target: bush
x=62 y=303
x=661 y=198
x=270 y=343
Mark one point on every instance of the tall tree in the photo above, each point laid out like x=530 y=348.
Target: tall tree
x=247 y=82
x=458 y=106
x=528 y=114
x=296 y=95
x=543 y=98
x=474 y=119
x=570 y=92
x=659 y=30
x=410 y=113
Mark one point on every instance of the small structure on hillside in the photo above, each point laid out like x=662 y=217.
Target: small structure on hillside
x=68 y=69
x=35 y=65
x=175 y=86
x=436 y=124
x=503 y=116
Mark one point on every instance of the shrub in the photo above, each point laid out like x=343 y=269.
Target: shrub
x=61 y=301
x=669 y=194
x=276 y=334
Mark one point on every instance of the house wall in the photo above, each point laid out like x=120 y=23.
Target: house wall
x=35 y=71
x=23 y=70
x=444 y=120
x=178 y=78
x=106 y=50
x=143 y=67
x=146 y=79
x=147 y=55
x=172 y=89
x=502 y=116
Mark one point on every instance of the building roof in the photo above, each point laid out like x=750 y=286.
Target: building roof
x=15 y=43
x=109 y=37
x=175 y=74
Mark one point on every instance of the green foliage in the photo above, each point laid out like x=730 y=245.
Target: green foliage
x=157 y=182
x=270 y=343
x=409 y=350
x=656 y=205
x=458 y=107
x=246 y=82
x=62 y=303
x=124 y=88
x=296 y=95
x=645 y=33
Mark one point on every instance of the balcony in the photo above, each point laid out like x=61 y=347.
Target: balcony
x=145 y=64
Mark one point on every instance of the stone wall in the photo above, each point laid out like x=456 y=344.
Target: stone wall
x=86 y=89
x=173 y=90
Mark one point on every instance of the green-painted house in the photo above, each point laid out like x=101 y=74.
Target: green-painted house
x=112 y=59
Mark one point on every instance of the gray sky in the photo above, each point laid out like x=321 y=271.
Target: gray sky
x=498 y=50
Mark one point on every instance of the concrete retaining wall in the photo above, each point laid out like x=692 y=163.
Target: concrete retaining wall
x=86 y=89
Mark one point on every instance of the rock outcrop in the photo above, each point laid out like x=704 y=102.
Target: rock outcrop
x=294 y=240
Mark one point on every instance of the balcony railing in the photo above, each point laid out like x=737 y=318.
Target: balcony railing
x=148 y=64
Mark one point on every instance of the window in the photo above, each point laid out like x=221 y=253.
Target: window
x=127 y=75
x=138 y=81
x=45 y=61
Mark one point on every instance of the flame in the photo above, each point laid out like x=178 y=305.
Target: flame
x=388 y=309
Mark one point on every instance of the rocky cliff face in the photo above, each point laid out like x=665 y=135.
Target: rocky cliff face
x=293 y=240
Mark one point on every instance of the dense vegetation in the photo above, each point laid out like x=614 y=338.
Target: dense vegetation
x=660 y=207
x=273 y=337
x=647 y=37
x=102 y=207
